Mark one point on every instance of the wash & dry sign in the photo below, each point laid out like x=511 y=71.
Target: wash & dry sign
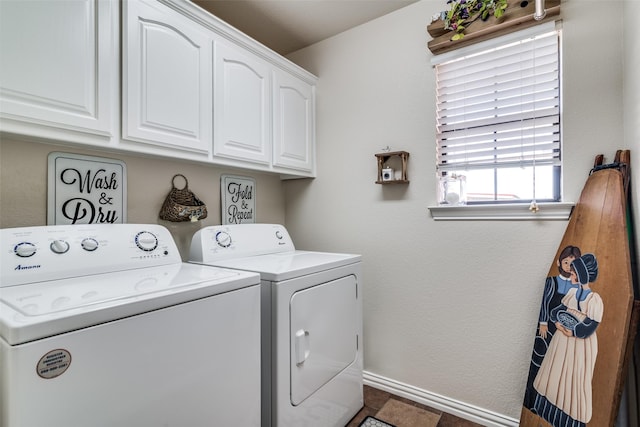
x=238 y=199
x=86 y=190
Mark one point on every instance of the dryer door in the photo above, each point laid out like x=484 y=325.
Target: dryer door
x=323 y=340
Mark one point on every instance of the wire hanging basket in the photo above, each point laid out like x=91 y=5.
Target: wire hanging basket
x=181 y=204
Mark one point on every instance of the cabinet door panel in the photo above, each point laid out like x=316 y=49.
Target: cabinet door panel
x=241 y=97
x=58 y=63
x=293 y=123
x=167 y=86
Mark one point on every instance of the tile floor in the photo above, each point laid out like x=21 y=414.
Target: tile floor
x=403 y=412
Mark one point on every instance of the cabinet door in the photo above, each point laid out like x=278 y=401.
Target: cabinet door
x=166 y=78
x=59 y=65
x=241 y=105
x=293 y=123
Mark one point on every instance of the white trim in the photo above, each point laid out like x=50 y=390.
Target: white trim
x=511 y=211
x=442 y=403
x=497 y=41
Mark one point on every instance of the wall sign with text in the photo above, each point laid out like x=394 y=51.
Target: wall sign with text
x=238 y=199
x=86 y=190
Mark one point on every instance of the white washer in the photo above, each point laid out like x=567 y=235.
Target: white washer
x=104 y=325
x=311 y=322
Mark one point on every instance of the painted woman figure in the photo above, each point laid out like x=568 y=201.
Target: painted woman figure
x=563 y=382
x=555 y=288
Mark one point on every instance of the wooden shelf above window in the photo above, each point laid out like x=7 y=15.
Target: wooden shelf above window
x=515 y=18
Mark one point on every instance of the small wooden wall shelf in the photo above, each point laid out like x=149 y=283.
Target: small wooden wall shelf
x=394 y=157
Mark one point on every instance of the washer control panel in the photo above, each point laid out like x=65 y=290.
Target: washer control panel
x=220 y=242
x=32 y=254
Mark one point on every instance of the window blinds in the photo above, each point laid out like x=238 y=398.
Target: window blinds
x=501 y=107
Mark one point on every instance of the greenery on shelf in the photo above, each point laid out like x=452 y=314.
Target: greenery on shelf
x=464 y=12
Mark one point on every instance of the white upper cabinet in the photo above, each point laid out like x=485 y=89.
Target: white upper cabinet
x=59 y=68
x=241 y=105
x=293 y=122
x=159 y=77
x=167 y=94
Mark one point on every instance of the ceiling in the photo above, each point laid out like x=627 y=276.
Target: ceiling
x=288 y=25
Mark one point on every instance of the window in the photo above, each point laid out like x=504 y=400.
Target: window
x=498 y=118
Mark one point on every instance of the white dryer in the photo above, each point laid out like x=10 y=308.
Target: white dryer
x=104 y=325
x=311 y=322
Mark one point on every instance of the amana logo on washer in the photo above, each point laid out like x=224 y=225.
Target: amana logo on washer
x=27 y=267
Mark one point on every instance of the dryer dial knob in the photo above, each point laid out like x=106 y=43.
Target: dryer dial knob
x=59 y=246
x=89 y=244
x=24 y=249
x=223 y=239
x=146 y=241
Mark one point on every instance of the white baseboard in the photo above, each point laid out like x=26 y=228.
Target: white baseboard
x=442 y=403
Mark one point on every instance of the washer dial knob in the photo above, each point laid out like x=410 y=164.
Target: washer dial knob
x=89 y=244
x=59 y=246
x=146 y=241
x=24 y=249
x=223 y=239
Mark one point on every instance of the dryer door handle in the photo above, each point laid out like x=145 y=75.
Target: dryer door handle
x=302 y=346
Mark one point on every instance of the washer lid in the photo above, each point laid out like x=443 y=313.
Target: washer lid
x=288 y=265
x=38 y=310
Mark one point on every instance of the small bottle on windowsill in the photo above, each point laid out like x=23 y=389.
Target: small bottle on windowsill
x=452 y=190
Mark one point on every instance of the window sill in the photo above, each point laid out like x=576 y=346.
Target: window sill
x=506 y=212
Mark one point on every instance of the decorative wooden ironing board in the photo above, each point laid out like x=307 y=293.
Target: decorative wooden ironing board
x=577 y=371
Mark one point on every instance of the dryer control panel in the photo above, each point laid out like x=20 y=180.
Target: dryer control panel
x=33 y=254
x=220 y=242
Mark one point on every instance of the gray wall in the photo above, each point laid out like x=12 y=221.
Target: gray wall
x=23 y=188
